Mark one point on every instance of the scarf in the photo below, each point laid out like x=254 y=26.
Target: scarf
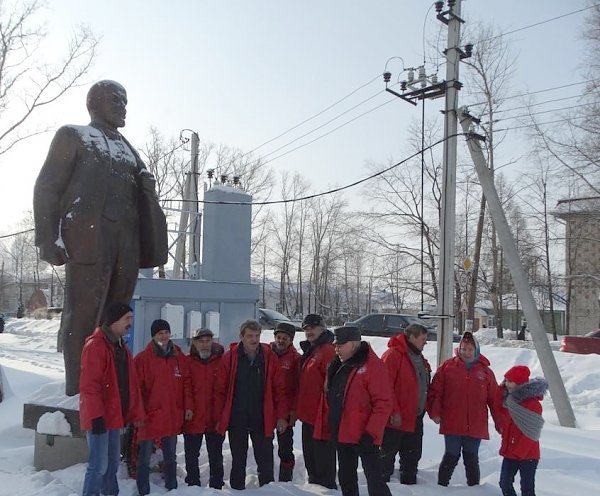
x=529 y=423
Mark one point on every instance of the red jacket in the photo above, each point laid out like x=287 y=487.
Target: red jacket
x=460 y=397
x=404 y=381
x=288 y=366
x=367 y=402
x=273 y=406
x=166 y=390
x=516 y=445
x=203 y=375
x=99 y=386
x=313 y=369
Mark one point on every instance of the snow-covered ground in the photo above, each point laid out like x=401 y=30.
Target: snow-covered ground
x=570 y=461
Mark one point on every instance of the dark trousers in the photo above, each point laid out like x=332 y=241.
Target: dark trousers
x=508 y=471
x=168 y=445
x=263 y=454
x=371 y=462
x=214 y=446
x=285 y=452
x=410 y=447
x=90 y=288
x=319 y=458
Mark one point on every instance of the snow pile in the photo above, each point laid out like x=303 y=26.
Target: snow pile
x=54 y=423
x=53 y=394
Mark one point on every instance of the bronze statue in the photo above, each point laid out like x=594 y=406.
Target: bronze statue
x=96 y=210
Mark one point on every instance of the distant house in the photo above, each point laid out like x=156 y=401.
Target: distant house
x=582 y=241
x=513 y=317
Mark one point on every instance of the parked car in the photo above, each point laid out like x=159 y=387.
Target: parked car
x=390 y=324
x=268 y=319
x=584 y=345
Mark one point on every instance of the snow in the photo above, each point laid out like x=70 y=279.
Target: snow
x=570 y=461
x=54 y=423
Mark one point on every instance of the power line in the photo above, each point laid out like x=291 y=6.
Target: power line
x=322 y=125
x=536 y=92
x=535 y=24
x=538 y=104
x=15 y=234
x=331 y=191
x=314 y=116
x=329 y=132
x=538 y=113
x=542 y=123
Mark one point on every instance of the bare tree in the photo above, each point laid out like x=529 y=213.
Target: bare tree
x=29 y=80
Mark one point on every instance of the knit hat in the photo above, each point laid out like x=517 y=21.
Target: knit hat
x=313 y=319
x=159 y=325
x=345 y=334
x=287 y=328
x=114 y=312
x=519 y=374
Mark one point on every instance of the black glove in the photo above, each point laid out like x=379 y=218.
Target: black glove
x=98 y=426
x=366 y=442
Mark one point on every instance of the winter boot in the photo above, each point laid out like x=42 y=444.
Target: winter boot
x=471 y=461
x=446 y=469
x=286 y=471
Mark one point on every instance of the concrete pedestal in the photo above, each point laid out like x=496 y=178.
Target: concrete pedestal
x=53 y=452
x=57 y=452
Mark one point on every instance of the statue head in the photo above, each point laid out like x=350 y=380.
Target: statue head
x=106 y=102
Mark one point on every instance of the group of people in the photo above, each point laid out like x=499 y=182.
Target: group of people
x=351 y=404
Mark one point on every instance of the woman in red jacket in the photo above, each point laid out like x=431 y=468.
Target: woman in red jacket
x=523 y=422
x=462 y=390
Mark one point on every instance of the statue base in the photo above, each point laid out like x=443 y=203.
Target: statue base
x=51 y=451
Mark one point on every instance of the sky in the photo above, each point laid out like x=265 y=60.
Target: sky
x=240 y=73
x=32 y=371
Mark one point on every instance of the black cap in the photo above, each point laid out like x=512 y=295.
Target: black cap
x=199 y=333
x=114 y=312
x=159 y=325
x=313 y=319
x=345 y=334
x=286 y=327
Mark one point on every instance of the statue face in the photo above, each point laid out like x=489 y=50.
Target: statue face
x=111 y=107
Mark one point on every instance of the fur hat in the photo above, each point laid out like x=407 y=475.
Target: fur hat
x=345 y=334
x=114 y=312
x=313 y=319
x=286 y=328
x=519 y=374
x=159 y=325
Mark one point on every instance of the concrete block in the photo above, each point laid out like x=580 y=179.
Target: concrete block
x=57 y=452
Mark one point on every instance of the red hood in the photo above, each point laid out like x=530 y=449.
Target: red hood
x=398 y=341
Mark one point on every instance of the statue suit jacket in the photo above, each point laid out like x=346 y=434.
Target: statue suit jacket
x=70 y=192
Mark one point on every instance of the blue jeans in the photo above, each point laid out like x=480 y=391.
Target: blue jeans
x=527 y=470
x=168 y=445
x=103 y=462
x=466 y=444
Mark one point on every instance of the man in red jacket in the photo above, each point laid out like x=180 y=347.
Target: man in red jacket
x=204 y=360
x=166 y=390
x=355 y=409
x=288 y=367
x=319 y=455
x=109 y=398
x=410 y=375
x=251 y=398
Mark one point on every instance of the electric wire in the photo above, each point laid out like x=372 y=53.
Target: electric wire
x=521 y=116
x=314 y=116
x=331 y=191
x=539 y=23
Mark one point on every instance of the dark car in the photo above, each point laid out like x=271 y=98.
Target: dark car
x=390 y=324
x=268 y=319
x=584 y=345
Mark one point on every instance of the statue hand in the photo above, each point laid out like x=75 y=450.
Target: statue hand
x=53 y=254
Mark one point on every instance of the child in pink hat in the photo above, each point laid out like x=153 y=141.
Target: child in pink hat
x=521 y=429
